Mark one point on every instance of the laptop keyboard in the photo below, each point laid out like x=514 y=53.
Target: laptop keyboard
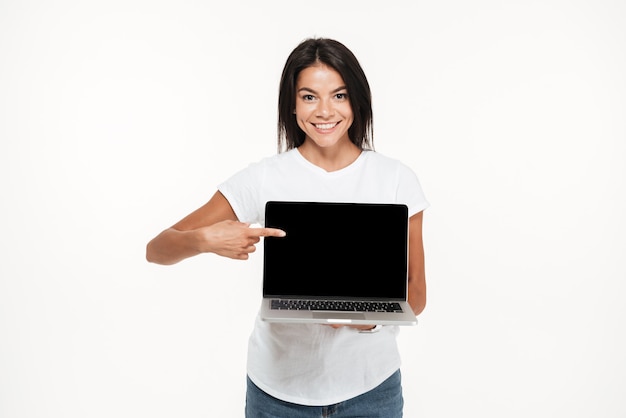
x=334 y=305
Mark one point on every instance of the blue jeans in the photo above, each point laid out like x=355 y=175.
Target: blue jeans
x=384 y=401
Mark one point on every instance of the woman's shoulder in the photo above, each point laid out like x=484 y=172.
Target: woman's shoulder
x=375 y=157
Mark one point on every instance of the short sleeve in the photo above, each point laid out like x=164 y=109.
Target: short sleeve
x=410 y=190
x=242 y=192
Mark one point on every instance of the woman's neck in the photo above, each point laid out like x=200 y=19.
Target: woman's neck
x=331 y=158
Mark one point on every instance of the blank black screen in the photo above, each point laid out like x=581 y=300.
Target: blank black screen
x=342 y=250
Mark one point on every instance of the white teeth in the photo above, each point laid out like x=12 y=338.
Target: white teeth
x=325 y=125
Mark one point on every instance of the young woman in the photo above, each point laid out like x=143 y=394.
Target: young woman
x=326 y=154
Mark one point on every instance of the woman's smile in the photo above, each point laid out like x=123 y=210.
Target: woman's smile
x=325 y=127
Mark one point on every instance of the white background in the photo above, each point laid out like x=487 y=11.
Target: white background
x=117 y=118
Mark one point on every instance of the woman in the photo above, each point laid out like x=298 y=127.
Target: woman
x=326 y=154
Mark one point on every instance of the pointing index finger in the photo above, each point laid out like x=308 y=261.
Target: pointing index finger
x=268 y=232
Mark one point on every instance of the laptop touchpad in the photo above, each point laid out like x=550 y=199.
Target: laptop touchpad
x=340 y=316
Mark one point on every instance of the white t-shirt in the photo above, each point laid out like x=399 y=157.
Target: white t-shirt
x=316 y=364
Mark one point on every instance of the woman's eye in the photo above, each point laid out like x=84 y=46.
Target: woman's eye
x=308 y=97
x=342 y=96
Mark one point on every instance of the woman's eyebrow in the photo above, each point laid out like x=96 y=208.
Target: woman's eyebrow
x=338 y=89
x=310 y=90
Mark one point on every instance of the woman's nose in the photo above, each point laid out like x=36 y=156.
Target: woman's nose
x=325 y=109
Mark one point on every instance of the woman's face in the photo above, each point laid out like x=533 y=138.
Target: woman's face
x=323 y=109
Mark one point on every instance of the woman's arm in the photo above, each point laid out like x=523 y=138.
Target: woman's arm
x=213 y=228
x=417 y=274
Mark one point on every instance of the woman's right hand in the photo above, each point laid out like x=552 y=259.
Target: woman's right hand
x=212 y=228
x=232 y=239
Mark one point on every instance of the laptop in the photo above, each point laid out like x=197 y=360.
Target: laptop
x=340 y=263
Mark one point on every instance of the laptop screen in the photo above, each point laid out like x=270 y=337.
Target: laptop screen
x=336 y=250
